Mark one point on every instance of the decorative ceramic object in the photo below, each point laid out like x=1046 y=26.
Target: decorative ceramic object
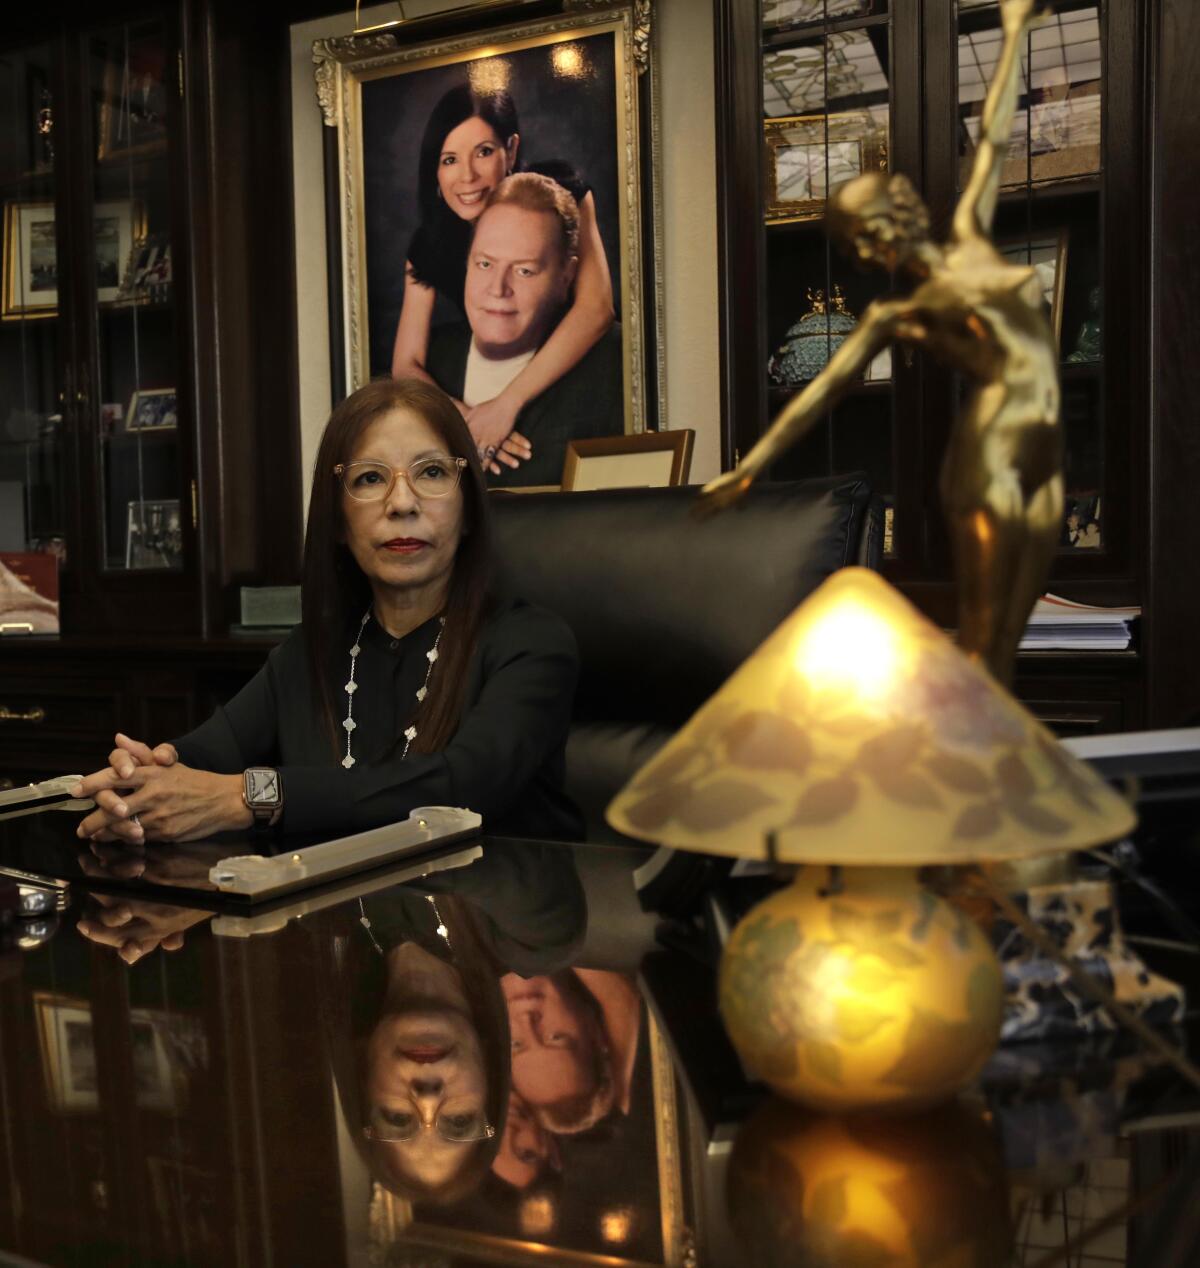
x=812 y=340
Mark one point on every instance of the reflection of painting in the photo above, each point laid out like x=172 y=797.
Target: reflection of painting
x=68 y=1052
x=31 y=254
x=586 y=1166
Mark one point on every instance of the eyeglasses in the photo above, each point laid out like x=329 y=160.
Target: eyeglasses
x=427 y=477
x=392 y=1125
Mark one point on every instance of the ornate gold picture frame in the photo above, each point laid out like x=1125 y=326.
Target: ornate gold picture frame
x=807 y=155
x=590 y=54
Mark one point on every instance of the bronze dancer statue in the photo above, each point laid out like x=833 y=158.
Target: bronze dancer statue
x=1001 y=480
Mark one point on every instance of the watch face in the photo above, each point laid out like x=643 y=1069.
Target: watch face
x=262 y=786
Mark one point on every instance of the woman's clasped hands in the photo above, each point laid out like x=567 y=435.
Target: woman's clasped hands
x=147 y=794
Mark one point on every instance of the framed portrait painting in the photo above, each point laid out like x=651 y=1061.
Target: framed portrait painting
x=489 y=206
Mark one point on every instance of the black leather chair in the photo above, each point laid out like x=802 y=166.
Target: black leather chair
x=666 y=606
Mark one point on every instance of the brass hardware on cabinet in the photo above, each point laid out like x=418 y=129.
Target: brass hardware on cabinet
x=195 y=515
x=36 y=714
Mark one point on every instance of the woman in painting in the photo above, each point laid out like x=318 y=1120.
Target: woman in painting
x=407 y=684
x=470 y=144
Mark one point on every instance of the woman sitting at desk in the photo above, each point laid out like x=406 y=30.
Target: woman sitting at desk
x=407 y=684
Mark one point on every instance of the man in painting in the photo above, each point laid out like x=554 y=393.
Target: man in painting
x=520 y=271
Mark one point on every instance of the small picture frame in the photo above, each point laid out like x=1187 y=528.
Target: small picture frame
x=808 y=155
x=648 y=459
x=1081 y=523
x=152 y=409
x=68 y=1053
x=30 y=281
x=148 y=271
x=1047 y=254
x=153 y=535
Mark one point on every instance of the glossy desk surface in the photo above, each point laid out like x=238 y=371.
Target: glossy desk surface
x=204 y=1106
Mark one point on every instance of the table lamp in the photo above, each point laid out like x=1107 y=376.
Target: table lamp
x=860 y=738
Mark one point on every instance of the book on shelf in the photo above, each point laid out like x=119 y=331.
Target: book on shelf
x=1064 y=625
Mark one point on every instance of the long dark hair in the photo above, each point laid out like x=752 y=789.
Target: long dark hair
x=335 y=593
x=438 y=251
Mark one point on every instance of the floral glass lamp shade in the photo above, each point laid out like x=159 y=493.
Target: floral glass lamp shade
x=859 y=736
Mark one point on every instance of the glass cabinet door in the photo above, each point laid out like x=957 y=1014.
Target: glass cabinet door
x=1050 y=216
x=827 y=106
x=34 y=513
x=133 y=90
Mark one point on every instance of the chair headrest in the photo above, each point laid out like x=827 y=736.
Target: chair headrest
x=664 y=605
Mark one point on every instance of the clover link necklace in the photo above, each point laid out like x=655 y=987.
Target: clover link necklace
x=351 y=687
x=410 y=734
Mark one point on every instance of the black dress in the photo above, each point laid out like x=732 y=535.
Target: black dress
x=505 y=761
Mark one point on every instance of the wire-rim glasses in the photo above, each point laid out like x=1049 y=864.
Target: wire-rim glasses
x=370 y=481
x=398 y=1125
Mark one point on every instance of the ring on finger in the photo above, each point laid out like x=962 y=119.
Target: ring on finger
x=137 y=823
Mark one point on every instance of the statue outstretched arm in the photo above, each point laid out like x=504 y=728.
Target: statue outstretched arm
x=977 y=206
x=874 y=332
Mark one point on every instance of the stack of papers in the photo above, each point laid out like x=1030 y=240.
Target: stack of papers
x=1059 y=623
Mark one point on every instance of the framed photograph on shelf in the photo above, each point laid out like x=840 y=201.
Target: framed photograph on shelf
x=153 y=534
x=1081 y=525
x=1046 y=253
x=132 y=121
x=807 y=155
x=558 y=97
x=152 y=409
x=68 y=1053
x=148 y=276
x=30 y=281
x=650 y=460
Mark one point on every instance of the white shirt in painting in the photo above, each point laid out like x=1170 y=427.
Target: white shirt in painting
x=487 y=379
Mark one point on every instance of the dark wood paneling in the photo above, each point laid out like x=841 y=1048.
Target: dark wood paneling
x=740 y=247
x=1173 y=546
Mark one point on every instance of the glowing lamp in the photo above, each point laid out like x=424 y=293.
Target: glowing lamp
x=859 y=737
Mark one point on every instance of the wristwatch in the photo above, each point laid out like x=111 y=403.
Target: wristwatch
x=263 y=794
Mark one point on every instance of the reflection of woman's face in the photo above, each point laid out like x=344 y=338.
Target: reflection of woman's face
x=425 y=1065
x=526 y=1147
x=553 y=1043
x=472 y=163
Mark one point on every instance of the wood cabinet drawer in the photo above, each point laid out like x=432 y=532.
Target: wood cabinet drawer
x=56 y=710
